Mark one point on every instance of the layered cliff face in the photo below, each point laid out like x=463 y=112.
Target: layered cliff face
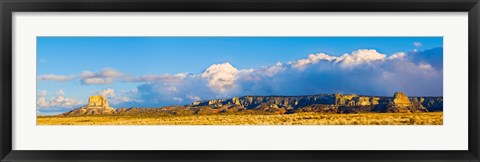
x=251 y=102
x=400 y=103
x=430 y=103
x=341 y=103
x=325 y=103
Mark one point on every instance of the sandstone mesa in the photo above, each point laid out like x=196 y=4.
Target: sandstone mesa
x=326 y=103
x=96 y=105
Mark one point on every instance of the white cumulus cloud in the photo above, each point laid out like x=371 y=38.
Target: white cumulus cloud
x=109 y=93
x=117 y=99
x=425 y=66
x=221 y=77
x=399 y=55
x=56 y=102
x=359 y=57
x=364 y=71
x=312 y=59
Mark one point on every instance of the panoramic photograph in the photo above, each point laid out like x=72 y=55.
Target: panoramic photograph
x=233 y=80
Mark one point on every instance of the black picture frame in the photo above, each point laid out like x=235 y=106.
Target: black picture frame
x=10 y=6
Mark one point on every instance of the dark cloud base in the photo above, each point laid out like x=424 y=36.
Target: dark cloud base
x=417 y=73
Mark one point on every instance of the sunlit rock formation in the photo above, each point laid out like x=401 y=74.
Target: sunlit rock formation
x=400 y=99
x=251 y=102
x=96 y=105
x=97 y=102
x=340 y=103
x=323 y=103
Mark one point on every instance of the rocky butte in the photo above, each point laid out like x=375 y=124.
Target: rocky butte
x=96 y=105
x=326 y=103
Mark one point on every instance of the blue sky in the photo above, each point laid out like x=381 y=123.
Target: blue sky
x=77 y=67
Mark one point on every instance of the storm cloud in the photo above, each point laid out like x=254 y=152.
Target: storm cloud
x=364 y=71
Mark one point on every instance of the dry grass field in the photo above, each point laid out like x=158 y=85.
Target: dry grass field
x=306 y=118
